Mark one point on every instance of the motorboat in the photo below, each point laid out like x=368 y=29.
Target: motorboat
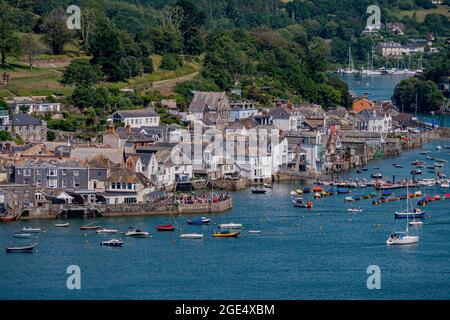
x=230 y=226
x=199 y=221
x=438 y=148
x=416 y=171
x=349 y=199
x=444 y=184
x=166 y=227
x=25 y=249
x=137 y=234
x=21 y=235
x=417 y=213
x=190 y=236
x=300 y=203
x=112 y=243
x=61 y=225
x=31 y=230
x=106 y=231
x=415 y=223
x=226 y=234
x=8 y=218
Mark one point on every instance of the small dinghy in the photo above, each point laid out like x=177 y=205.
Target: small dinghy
x=415 y=223
x=349 y=199
x=26 y=249
x=31 y=230
x=254 y=231
x=190 y=236
x=226 y=234
x=90 y=227
x=166 y=227
x=354 y=210
x=21 y=235
x=199 y=221
x=137 y=233
x=112 y=243
x=61 y=225
x=106 y=231
x=230 y=226
x=258 y=191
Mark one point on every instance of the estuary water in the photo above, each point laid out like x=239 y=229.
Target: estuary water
x=376 y=87
x=322 y=253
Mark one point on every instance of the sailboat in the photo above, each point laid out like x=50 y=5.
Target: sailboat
x=403 y=237
x=370 y=71
x=351 y=67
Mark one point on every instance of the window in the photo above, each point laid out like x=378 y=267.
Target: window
x=38 y=172
x=52 y=173
x=76 y=183
x=64 y=172
x=64 y=183
x=53 y=183
x=19 y=172
x=27 y=172
x=39 y=183
x=130 y=200
x=76 y=173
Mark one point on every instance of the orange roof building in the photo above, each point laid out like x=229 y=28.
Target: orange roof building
x=362 y=104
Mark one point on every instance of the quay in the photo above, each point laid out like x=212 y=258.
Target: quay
x=55 y=211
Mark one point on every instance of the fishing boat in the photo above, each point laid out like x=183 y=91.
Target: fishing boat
x=199 y=221
x=25 y=249
x=137 y=234
x=191 y=236
x=61 y=225
x=112 y=243
x=106 y=231
x=31 y=230
x=21 y=234
x=166 y=227
x=226 y=234
x=259 y=191
x=403 y=237
x=230 y=226
x=354 y=210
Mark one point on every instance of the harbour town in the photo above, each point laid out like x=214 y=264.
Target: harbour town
x=220 y=150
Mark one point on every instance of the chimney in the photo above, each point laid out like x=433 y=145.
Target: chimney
x=128 y=128
x=110 y=127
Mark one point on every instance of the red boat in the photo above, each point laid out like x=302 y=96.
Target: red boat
x=167 y=227
x=8 y=218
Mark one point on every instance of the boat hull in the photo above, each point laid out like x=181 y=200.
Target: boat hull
x=400 y=215
x=403 y=240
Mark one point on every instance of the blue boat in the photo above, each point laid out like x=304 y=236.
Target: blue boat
x=306 y=190
x=356 y=198
x=410 y=215
x=330 y=191
x=343 y=190
x=199 y=221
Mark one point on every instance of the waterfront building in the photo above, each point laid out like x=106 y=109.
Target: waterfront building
x=115 y=155
x=286 y=118
x=311 y=143
x=136 y=118
x=125 y=187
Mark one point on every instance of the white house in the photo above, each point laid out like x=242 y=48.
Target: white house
x=376 y=121
x=242 y=110
x=137 y=118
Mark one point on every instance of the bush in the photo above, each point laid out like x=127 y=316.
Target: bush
x=171 y=61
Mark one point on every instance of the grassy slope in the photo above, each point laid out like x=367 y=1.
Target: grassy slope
x=44 y=79
x=420 y=14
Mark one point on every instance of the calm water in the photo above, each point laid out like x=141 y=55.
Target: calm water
x=377 y=87
x=300 y=254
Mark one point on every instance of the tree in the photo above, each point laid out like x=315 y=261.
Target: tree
x=31 y=46
x=5 y=136
x=3 y=104
x=171 y=61
x=51 y=136
x=81 y=73
x=56 y=33
x=8 y=41
x=426 y=93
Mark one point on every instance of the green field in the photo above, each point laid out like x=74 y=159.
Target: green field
x=44 y=79
x=420 y=14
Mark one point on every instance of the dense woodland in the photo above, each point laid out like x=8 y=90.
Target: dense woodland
x=268 y=48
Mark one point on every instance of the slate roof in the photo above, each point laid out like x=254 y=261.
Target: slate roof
x=148 y=112
x=206 y=101
x=25 y=120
